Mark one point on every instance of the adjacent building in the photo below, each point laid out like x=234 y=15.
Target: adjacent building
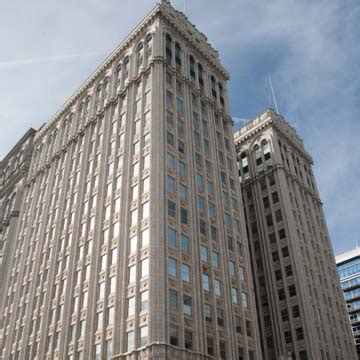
x=348 y=265
x=300 y=304
x=132 y=239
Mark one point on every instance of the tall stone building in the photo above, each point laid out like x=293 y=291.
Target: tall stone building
x=300 y=304
x=132 y=240
x=348 y=265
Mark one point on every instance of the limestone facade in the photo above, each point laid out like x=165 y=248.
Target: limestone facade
x=301 y=308
x=133 y=242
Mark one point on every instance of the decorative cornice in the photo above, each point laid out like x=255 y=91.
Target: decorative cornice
x=270 y=119
x=103 y=67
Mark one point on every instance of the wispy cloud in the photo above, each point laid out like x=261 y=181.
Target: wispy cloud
x=46 y=59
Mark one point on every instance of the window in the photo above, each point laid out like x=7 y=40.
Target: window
x=217 y=286
x=244 y=300
x=144 y=300
x=275 y=197
x=205 y=283
x=110 y=316
x=288 y=337
x=144 y=268
x=174 y=336
x=143 y=336
x=170 y=138
x=182 y=192
x=183 y=216
x=232 y=268
x=171 y=208
x=173 y=299
x=171 y=184
x=220 y=316
x=185 y=272
x=131 y=306
x=208 y=312
x=132 y=274
x=238 y=324
x=188 y=338
x=215 y=259
x=278 y=215
x=242 y=273
x=171 y=237
x=288 y=270
x=296 y=311
x=130 y=340
x=169 y=99
x=182 y=169
x=285 y=251
x=281 y=294
x=235 y=296
x=292 y=290
x=133 y=245
x=179 y=106
x=185 y=247
x=186 y=305
x=204 y=253
x=284 y=315
x=172 y=267
x=145 y=236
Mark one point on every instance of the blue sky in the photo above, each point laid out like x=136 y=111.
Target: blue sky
x=311 y=49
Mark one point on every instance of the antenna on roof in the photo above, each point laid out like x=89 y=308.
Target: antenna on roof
x=273 y=95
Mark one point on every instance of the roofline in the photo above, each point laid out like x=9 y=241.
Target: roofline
x=347 y=256
x=30 y=132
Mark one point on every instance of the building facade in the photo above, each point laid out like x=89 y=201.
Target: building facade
x=13 y=171
x=132 y=241
x=301 y=310
x=348 y=265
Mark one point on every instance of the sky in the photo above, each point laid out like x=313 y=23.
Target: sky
x=310 y=48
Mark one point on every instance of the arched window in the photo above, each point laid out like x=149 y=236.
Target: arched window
x=140 y=56
x=106 y=88
x=118 y=78
x=266 y=151
x=201 y=78
x=192 y=69
x=213 y=88
x=149 y=45
x=178 y=57
x=168 y=49
x=244 y=165
x=98 y=98
x=221 y=95
x=258 y=158
x=126 y=69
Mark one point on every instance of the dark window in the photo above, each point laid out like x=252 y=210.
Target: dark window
x=188 y=339
x=220 y=316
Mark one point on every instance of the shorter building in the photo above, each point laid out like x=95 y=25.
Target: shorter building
x=348 y=265
x=301 y=309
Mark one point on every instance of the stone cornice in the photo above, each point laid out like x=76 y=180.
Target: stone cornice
x=164 y=11
x=103 y=67
x=270 y=119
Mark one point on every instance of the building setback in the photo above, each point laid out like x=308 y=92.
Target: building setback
x=300 y=304
x=132 y=241
x=348 y=265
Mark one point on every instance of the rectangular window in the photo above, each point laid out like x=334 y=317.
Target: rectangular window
x=208 y=312
x=234 y=296
x=130 y=340
x=244 y=300
x=186 y=305
x=220 y=316
x=171 y=187
x=206 y=283
x=215 y=259
x=171 y=208
x=231 y=268
x=185 y=246
x=204 y=255
x=183 y=216
x=173 y=299
x=143 y=336
x=171 y=236
x=144 y=268
x=144 y=300
x=217 y=286
x=185 y=272
x=172 y=267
